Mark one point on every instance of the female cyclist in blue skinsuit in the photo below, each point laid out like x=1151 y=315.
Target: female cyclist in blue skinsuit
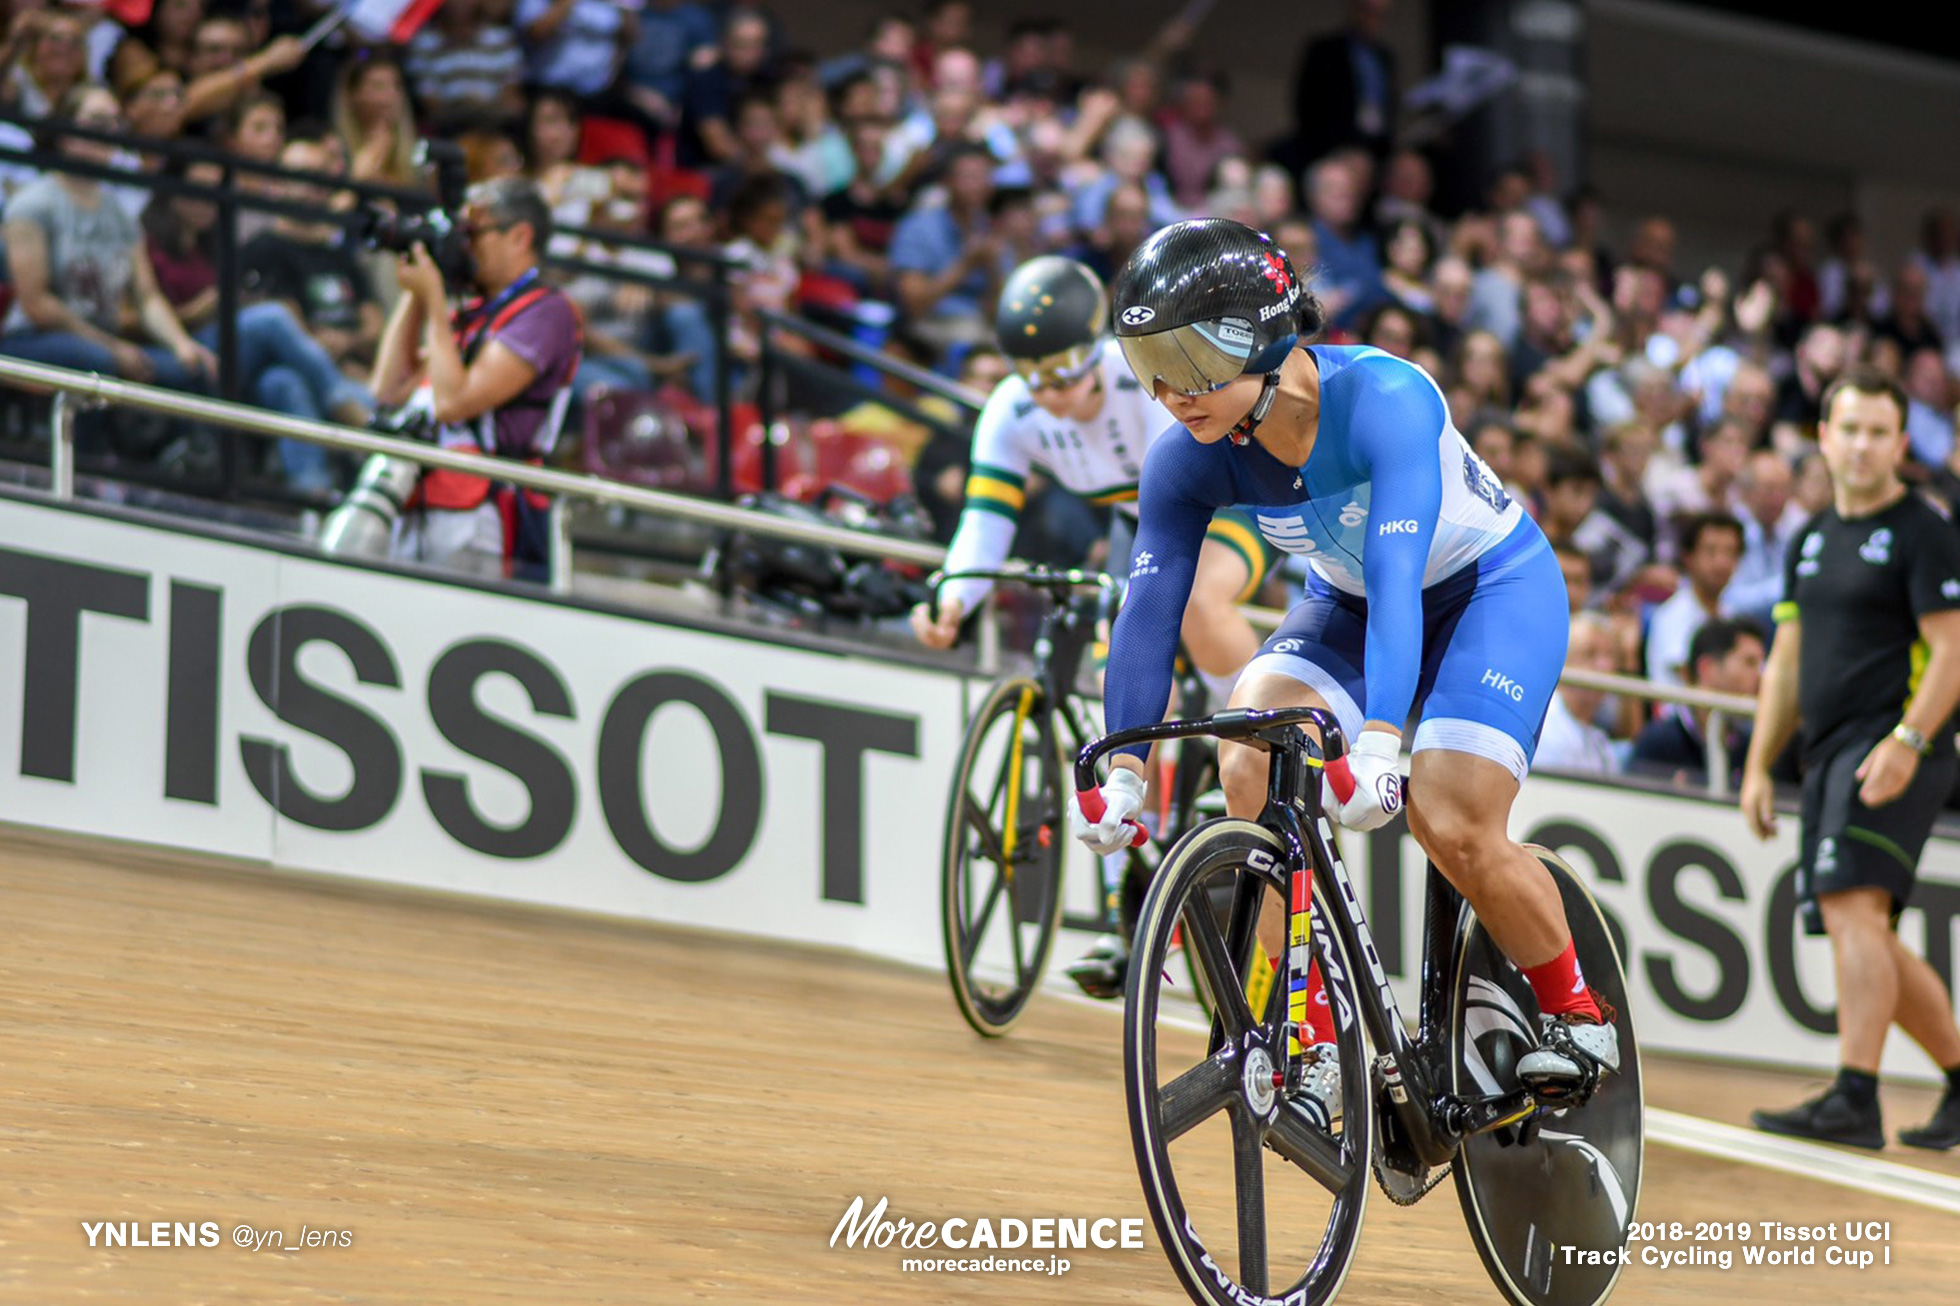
x=1432 y=590
x=1073 y=410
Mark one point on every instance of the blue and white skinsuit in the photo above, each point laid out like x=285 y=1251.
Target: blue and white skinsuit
x=1465 y=613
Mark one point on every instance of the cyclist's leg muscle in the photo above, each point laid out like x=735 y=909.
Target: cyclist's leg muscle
x=1313 y=659
x=1242 y=769
x=1487 y=692
x=1460 y=813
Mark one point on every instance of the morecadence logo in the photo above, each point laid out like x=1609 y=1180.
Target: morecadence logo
x=876 y=1229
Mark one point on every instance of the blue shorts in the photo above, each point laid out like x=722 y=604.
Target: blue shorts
x=1493 y=644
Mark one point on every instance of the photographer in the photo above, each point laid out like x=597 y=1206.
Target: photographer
x=493 y=377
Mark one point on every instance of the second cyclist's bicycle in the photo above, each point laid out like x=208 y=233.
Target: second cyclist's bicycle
x=1001 y=902
x=1257 y=1195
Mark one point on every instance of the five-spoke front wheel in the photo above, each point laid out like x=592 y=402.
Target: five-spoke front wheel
x=1248 y=1186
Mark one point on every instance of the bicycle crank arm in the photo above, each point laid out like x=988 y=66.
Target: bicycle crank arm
x=1465 y=1116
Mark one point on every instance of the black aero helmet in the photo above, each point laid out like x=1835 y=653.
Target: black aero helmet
x=1201 y=303
x=1052 y=313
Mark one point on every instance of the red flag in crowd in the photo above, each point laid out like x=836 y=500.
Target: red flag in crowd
x=393 y=21
x=130 y=13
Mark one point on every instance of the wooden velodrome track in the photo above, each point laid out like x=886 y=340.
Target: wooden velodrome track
x=508 y=1106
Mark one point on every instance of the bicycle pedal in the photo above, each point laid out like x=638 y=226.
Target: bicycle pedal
x=1561 y=1097
x=1100 y=973
x=1097 y=989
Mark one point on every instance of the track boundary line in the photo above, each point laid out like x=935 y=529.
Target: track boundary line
x=1831 y=1165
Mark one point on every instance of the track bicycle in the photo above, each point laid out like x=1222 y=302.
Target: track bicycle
x=1001 y=902
x=1239 y=1162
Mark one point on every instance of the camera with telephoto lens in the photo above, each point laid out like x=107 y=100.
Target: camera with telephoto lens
x=439 y=230
x=364 y=522
x=411 y=421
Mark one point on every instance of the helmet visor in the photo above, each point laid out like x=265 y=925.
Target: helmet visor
x=1057 y=371
x=1195 y=359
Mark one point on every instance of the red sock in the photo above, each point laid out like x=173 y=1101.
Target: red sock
x=1561 y=986
x=1320 y=1016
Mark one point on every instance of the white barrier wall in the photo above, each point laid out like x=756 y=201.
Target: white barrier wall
x=201 y=694
x=184 y=691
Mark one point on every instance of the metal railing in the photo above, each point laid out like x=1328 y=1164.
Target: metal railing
x=777 y=367
x=703 y=274
x=90 y=389
x=1715 y=731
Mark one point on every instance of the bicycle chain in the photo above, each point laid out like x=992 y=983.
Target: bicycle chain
x=1403 y=1196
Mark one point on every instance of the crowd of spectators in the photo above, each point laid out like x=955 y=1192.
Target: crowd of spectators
x=1658 y=419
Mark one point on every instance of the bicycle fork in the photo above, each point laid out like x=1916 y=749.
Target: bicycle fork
x=1016 y=760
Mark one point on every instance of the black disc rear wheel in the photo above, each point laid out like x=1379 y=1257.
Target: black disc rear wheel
x=1569 y=1177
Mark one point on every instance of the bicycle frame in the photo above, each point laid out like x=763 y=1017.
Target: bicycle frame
x=1067 y=628
x=1435 y=1121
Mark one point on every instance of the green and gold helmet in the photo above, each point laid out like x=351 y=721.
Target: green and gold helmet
x=1052 y=315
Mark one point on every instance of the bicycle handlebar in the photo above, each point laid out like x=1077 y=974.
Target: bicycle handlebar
x=1041 y=578
x=1233 y=723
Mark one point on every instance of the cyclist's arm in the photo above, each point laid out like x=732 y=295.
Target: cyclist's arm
x=1183 y=481
x=1396 y=425
x=996 y=487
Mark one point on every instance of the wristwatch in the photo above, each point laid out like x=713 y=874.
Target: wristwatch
x=1912 y=739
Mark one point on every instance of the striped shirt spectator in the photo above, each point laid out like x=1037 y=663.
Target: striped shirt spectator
x=462 y=67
